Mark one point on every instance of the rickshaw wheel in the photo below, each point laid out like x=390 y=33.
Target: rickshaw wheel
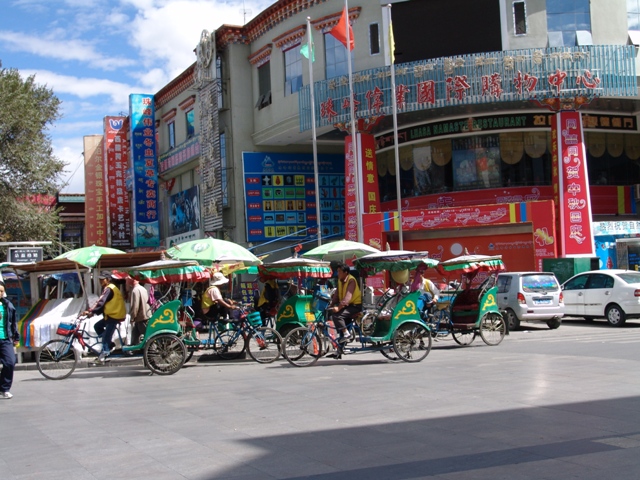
x=464 y=338
x=390 y=354
x=229 y=345
x=302 y=347
x=164 y=354
x=264 y=345
x=492 y=328
x=412 y=342
x=57 y=359
x=189 y=355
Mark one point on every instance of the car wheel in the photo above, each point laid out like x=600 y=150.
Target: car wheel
x=615 y=315
x=554 y=323
x=512 y=319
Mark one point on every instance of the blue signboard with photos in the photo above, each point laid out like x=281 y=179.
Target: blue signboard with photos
x=281 y=199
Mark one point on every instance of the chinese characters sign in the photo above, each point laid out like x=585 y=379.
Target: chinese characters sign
x=281 y=199
x=536 y=74
x=145 y=170
x=572 y=185
x=95 y=191
x=116 y=151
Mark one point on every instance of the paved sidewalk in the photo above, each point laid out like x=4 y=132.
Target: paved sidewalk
x=542 y=405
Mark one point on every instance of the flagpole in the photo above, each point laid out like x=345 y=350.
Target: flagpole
x=354 y=140
x=395 y=133
x=313 y=130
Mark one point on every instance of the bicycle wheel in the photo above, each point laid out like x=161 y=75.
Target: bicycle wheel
x=57 y=359
x=303 y=347
x=264 y=345
x=164 y=354
x=412 y=342
x=390 y=354
x=463 y=337
x=492 y=328
x=229 y=345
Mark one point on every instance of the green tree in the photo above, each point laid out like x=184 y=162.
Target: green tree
x=28 y=167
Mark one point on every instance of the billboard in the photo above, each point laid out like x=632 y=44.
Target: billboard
x=145 y=170
x=116 y=153
x=281 y=200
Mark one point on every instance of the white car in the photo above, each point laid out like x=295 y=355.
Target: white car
x=610 y=294
x=530 y=297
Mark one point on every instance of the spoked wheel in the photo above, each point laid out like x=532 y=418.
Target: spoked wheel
x=229 y=345
x=57 y=359
x=412 y=342
x=264 y=345
x=463 y=337
x=390 y=354
x=492 y=328
x=164 y=354
x=302 y=347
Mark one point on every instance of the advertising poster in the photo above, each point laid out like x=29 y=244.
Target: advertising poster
x=281 y=199
x=145 y=170
x=95 y=191
x=573 y=187
x=476 y=163
x=116 y=152
x=184 y=211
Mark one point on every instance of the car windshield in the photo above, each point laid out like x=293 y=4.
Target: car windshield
x=539 y=283
x=630 y=277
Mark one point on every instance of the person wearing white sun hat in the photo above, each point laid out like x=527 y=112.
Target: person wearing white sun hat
x=213 y=304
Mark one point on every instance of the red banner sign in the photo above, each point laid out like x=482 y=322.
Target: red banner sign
x=116 y=152
x=370 y=191
x=573 y=185
x=350 y=192
x=95 y=194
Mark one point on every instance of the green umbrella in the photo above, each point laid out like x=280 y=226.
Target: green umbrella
x=208 y=251
x=393 y=261
x=340 y=250
x=88 y=256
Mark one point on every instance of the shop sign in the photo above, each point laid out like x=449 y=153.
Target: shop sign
x=25 y=254
x=95 y=191
x=116 y=151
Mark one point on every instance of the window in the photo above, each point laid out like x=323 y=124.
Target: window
x=264 y=86
x=190 y=118
x=374 y=39
x=633 y=14
x=223 y=169
x=172 y=135
x=335 y=55
x=219 y=80
x=566 y=17
x=519 y=18
x=292 y=70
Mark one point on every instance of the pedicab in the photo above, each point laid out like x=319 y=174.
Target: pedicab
x=296 y=310
x=471 y=310
x=162 y=348
x=397 y=330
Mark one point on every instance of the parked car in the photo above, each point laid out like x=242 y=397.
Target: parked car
x=530 y=297
x=610 y=294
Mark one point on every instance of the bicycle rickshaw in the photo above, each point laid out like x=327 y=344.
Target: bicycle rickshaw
x=470 y=311
x=296 y=310
x=163 y=346
x=396 y=329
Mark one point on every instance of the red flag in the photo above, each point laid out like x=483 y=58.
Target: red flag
x=340 y=30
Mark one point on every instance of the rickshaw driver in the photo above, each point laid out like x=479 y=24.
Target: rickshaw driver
x=346 y=302
x=213 y=305
x=112 y=307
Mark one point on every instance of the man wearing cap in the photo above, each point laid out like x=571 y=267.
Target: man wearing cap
x=111 y=306
x=9 y=338
x=346 y=301
x=139 y=309
x=212 y=302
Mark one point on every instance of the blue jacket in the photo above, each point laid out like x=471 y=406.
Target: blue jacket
x=10 y=324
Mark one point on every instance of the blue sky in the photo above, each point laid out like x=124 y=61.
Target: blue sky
x=94 y=53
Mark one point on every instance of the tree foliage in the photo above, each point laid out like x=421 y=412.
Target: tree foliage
x=27 y=164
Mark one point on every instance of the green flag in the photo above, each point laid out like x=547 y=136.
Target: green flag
x=305 y=52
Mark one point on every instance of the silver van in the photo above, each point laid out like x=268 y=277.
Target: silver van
x=530 y=297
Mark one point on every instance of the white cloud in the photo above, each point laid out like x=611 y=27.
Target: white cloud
x=50 y=45
x=84 y=87
x=70 y=152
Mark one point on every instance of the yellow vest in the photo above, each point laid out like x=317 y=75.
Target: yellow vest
x=115 y=307
x=263 y=299
x=356 y=298
x=206 y=301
